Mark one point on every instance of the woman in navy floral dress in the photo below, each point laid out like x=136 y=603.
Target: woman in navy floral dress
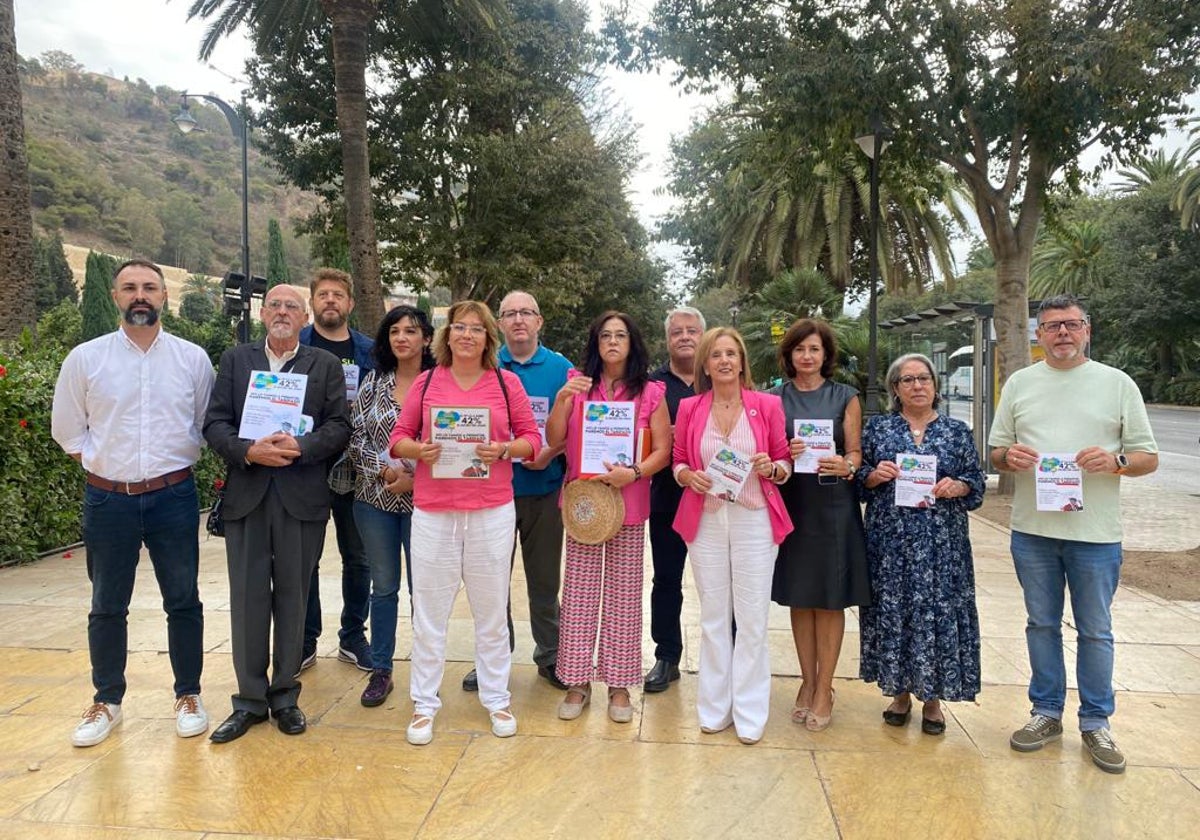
x=920 y=634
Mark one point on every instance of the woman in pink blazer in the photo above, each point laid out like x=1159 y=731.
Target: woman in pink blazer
x=732 y=531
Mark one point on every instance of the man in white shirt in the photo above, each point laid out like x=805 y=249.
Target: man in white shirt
x=129 y=406
x=1088 y=418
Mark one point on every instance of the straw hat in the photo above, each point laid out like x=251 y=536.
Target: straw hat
x=592 y=511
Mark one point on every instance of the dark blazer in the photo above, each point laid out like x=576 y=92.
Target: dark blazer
x=765 y=413
x=303 y=485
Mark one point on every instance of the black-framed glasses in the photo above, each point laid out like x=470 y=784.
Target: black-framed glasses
x=923 y=378
x=1072 y=325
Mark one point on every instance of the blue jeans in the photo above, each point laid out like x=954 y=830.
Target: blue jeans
x=115 y=526
x=356 y=580
x=384 y=534
x=1091 y=572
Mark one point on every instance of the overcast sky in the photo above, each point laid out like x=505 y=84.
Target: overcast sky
x=151 y=39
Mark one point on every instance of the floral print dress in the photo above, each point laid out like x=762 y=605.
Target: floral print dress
x=920 y=633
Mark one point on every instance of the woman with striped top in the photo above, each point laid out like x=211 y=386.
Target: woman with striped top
x=732 y=534
x=383 y=485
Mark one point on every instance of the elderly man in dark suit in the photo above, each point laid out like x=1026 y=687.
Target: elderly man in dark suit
x=276 y=508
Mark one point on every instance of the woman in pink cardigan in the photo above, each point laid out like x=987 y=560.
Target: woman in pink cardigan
x=724 y=433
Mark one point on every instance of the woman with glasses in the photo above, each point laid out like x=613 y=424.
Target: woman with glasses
x=600 y=624
x=732 y=536
x=463 y=518
x=822 y=565
x=920 y=633
x=383 y=485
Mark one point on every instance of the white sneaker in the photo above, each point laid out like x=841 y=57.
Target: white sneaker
x=420 y=730
x=98 y=721
x=190 y=717
x=504 y=725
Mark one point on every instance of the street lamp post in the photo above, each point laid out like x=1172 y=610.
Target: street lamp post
x=241 y=130
x=734 y=311
x=873 y=145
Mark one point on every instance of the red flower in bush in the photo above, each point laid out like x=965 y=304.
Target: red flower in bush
x=24 y=423
x=218 y=484
x=3 y=371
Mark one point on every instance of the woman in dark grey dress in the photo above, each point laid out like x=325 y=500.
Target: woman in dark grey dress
x=822 y=565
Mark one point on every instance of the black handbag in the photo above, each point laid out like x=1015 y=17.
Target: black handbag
x=215 y=523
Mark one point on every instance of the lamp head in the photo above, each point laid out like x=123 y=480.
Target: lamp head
x=184 y=120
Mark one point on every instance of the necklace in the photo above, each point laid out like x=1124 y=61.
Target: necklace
x=917 y=427
x=727 y=418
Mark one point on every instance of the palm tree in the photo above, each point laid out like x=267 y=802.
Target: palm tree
x=772 y=309
x=1066 y=260
x=352 y=22
x=17 y=283
x=1144 y=170
x=794 y=207
x=1186 y=201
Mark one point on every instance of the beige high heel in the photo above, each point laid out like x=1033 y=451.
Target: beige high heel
x=817 y=723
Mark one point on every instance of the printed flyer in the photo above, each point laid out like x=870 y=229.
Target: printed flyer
x=918 y=474
x=607 y=435
x=818 y=443
x=728 y=470
x=274 y=403
x=459 y=430
x=1059 y=482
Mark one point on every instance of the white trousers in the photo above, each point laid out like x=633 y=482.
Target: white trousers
x=733 y=562
x=472 y=548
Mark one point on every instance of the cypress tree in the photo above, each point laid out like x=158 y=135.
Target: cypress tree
x=277 y=268
x=98 y=309
x=54 y=279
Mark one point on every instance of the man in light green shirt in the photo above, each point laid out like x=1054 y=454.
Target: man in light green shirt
x=1082 y=411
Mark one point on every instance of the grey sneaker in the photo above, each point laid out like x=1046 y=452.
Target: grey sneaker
x=1105 y=753
x=1034 y=735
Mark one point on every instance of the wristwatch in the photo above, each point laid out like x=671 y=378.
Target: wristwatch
x=1122 y=464
x=504 y=452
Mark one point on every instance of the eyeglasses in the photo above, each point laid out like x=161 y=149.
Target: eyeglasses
x=678 y=331
x=289 y=305
x=473 y=329
x=614 y=336
x=907 y=381
x=1073 y=325
x=514 y=314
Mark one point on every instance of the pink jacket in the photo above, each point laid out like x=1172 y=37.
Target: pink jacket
x=765 y=413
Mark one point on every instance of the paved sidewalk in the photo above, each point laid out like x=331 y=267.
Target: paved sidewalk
x=352 y=774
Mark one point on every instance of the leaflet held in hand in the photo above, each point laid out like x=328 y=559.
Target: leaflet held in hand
x=459 y=429
x=1059 y=482
x=728 y=470
x=274 y=403
x=607 y=436
x=818 y=443
x=914 y=485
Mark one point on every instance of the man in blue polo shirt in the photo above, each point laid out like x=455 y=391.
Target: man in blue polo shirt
x=332 y=299
x=536 y=484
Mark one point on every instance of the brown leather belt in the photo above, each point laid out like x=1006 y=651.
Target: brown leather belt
x=137 y=488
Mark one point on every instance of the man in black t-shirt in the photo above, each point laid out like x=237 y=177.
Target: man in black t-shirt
x=684 y=327
x=332 y=301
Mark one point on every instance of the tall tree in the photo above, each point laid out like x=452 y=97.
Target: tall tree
x=277 y=267
x=17 y=287
x=55 y=279
x=352 y=23
x=99 y=310
x=1007 y=94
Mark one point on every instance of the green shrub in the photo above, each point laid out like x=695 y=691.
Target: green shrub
x=40 y=486
x=1183 y=390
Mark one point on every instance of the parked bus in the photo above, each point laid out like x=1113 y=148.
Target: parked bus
x=961 y=373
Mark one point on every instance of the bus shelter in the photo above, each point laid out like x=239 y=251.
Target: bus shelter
x=985 y=385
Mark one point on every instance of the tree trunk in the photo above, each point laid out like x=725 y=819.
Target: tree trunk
x=352 y=23
x=17 y=283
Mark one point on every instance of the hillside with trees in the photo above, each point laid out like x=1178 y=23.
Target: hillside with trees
x=109 y=170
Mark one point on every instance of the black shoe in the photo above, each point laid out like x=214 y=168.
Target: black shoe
x=235 y=726
x=548 y=673
x=471 y=681
x=661 y=676
x=892 y=718
x=290 y=720
x=932 y=727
